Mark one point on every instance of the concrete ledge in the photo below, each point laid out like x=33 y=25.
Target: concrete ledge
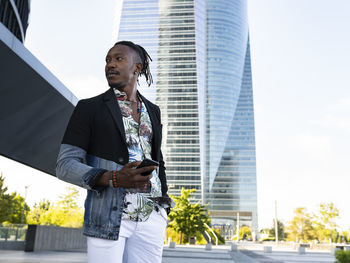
x=234 y=248
x=268 y=249
x=208 y=246
x=40 y=238
x=12 y=245
x=172 y=244
x=301 y=250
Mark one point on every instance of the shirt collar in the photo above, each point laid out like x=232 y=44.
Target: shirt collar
x=122 y=95
x=119 y=94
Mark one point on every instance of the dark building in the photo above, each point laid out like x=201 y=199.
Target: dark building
x=34 y=105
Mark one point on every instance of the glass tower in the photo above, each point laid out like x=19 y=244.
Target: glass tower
x=230 y=175
x=14 y=15
x=202 y=83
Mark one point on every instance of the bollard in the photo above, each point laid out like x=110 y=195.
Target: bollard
x=208 y=246
x=301 y=250
x=192 y=240
x=172 y=244
x=334 y=249
x=234 y=247
x=267 y=249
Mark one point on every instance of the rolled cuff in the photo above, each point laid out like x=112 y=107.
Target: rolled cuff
x=91 y=178
x=71 y=167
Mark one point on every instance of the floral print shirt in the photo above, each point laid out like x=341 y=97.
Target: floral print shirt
x=137 y=205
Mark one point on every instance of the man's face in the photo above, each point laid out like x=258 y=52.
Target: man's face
x=120 y=66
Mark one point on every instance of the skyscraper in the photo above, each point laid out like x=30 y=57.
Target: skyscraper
x=14 y=15
x=203 y=86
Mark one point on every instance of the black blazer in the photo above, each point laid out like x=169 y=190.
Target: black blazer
x=96 y=126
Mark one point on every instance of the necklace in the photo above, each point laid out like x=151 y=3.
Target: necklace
x=139 y=105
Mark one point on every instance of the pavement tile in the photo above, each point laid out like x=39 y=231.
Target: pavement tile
x=185 y=253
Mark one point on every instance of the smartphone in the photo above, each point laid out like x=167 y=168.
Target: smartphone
x=147 y=162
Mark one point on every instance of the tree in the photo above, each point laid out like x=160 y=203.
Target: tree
x=324 y=223
x=16 y=209
x=186 y=218
x=245 y=233
x=300 y=228
x=345 y=236
x=38 y=211
x=11 y=205
x=5 y=201
x=64 y=213
x=280 y=229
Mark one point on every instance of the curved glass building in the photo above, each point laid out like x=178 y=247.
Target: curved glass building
x=230 y=175
x=14 y=15
x=203 y=85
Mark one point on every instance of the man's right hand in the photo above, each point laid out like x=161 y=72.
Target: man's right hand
x=129 y=177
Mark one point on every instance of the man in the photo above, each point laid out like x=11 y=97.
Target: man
x=106 y=138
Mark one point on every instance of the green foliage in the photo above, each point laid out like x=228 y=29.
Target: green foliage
x=245 y=230
x=200 y=240
x=345 y=237
x=16 y=209
x=3 y=188
x=11 y=205
x=221 y=240
x=65 y=212
x=324 y=223
x=173 y=235
x=280 y=229
x=342 y=256
x=186 y=218
x=265 y=231
x=320 y=226
x=300 y=228
x=268 y=239
x=5 y=201
x=38 y=211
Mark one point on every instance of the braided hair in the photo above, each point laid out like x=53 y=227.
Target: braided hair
x=144 y=57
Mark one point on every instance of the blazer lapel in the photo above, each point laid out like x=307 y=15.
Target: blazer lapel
x=156 y=126
x=113 y=106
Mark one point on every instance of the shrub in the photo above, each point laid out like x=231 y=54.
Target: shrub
x=342 y=256
x=221 y=240
x=268 y=239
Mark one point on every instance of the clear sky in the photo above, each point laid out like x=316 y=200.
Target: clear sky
x=301 y=82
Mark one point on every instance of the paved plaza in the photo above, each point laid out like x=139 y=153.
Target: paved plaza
x=186 y=254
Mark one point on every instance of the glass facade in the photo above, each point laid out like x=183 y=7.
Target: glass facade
x=14 y=15
x=230 y=176
x=167 y=30
x=202 y=83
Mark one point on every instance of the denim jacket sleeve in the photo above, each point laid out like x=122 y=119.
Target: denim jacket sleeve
x=71 y=167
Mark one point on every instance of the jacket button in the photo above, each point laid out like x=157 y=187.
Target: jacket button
x=121 y=159
x=115 y=208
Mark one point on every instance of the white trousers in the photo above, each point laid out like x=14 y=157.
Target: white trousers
x=139 y=242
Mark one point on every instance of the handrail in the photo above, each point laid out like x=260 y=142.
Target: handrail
x=211 y=230
x=208 y=236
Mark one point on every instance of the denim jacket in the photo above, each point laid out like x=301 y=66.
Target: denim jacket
x=94 y=143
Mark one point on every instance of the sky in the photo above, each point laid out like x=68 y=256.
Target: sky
x=301 y=83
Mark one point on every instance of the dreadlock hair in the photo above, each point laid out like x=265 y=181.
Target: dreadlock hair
x=145 y=59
